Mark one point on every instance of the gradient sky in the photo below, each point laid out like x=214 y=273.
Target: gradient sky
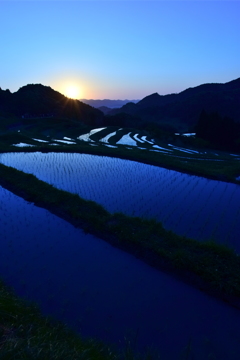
x=119 y=49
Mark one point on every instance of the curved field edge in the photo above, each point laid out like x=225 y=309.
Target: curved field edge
x=226 y=170
x=208 y=266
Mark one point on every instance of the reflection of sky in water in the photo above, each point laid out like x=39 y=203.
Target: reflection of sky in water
x=86 y=137
x=106 y=138
x=161 y=148
x=22 y=144
x=190 y=205
x=40 y=140
x=144 y=138
x=64 y=141
x=67 y=138
x=126 y=140
x=138 y=139
x=103 y=292
x=111 y=146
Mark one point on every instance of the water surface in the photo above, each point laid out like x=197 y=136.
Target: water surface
x=189 y=205
x=103 y=292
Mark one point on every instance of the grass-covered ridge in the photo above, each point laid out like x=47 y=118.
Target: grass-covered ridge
x=211 y=267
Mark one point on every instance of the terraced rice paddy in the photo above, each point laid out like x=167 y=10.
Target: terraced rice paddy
x=103 y=292
x=189 y=205
x=124 y=139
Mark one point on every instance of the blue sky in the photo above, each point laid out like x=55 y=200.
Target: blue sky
x=119 y=49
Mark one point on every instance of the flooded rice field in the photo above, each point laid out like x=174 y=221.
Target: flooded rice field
x=189 y=205
x=103 y=292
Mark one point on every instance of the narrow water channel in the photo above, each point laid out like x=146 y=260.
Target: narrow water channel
x=106 y=293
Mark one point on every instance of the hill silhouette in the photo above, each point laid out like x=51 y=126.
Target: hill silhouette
x=182 y=110
x=36 y=101
x=173 y=112
x=105 y=109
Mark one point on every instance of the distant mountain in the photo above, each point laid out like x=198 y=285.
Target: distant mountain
x=104 y=109
x=108 y=103
x=181 y=111
x=36 y=101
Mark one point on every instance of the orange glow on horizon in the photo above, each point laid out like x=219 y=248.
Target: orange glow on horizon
x=72 y=91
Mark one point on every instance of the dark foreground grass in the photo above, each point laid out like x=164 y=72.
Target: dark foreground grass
x=211 y=267
x=27 y=335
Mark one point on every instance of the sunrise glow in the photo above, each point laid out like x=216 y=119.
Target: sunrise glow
x=72 y=91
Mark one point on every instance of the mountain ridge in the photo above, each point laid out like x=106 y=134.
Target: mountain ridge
x=37 y=100
x=182 y=110
x=176 y=112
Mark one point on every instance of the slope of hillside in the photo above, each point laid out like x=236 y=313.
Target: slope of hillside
x=182 y=110
x=39 y=101
x=173 y=112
